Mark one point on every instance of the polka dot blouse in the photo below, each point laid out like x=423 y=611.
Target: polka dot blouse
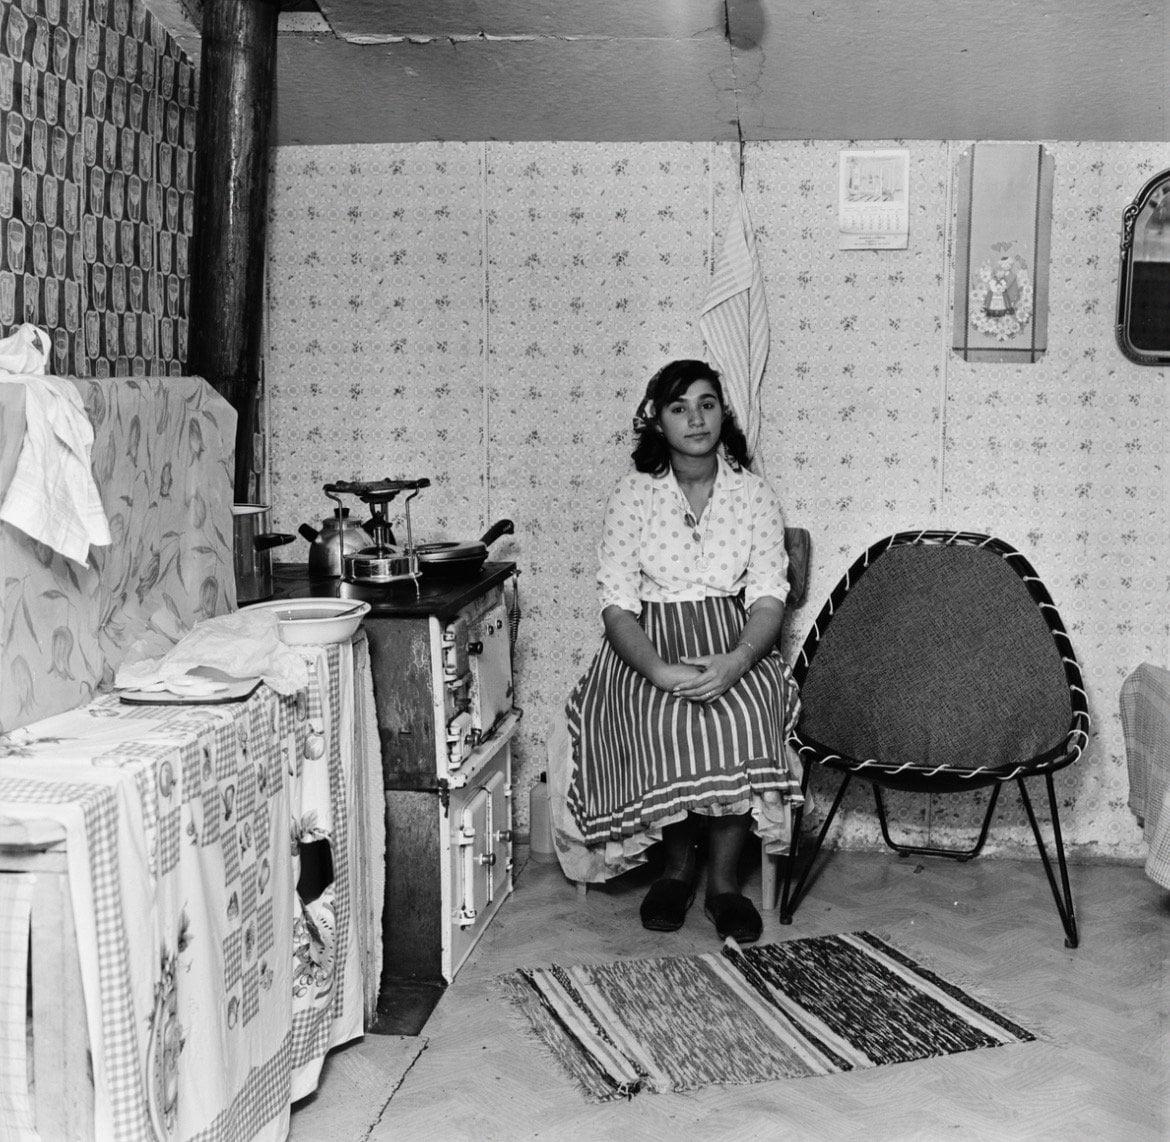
x=652 y=548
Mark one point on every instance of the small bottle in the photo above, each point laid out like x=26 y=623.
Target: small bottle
x=540 y=837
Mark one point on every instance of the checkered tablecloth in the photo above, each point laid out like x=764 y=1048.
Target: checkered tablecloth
x=1145 y=719
x=183 y=828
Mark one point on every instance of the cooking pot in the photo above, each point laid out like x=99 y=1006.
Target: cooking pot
x=252 y=545
x=456 y=560
x=326 y=545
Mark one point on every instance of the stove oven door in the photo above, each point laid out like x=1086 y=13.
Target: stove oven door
x=499 y=836
x=475 y=878
x=490 y=658
x=481 y=858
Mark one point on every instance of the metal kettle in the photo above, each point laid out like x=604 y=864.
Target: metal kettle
x=325 y=546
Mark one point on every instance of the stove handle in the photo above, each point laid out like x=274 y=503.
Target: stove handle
x=513 y=605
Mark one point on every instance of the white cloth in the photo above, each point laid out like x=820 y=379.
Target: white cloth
x=53 y=497
x=650 y=552
x=1145 y=720
x=25 y=352
x=734 y=321
x=242 y=644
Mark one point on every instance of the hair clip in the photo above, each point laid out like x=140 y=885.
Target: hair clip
x=644 y=415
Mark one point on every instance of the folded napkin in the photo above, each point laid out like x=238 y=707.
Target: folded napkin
x=53 y=497
x=243 y=644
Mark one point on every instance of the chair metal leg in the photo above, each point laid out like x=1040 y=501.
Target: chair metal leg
x=1063 y=895
x=790 y=897
x=787 y=908
x=928 y=850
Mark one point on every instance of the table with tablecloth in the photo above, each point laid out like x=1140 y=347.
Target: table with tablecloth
x=1145 y=719
x=212 y=989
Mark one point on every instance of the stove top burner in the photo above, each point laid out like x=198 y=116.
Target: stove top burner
x=376 y=491
x=384 y=563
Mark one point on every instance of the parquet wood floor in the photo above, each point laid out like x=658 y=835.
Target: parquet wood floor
x=1099 y=1073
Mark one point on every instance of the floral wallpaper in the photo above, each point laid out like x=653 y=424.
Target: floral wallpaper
x=488 y=313
x=97 y=118
x=378 y=309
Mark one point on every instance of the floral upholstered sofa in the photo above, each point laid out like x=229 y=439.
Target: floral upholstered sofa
x=162 y=460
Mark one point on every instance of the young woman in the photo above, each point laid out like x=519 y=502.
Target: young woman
x=679 y=724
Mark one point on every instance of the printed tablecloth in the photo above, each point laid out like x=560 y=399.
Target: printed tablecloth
x=212 y=990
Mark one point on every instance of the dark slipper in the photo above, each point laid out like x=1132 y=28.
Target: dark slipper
x=664 y=908
x=735 y=916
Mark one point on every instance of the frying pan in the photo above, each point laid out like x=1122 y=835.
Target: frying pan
x=454 y=559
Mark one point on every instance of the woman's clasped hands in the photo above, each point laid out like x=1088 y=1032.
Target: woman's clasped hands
x=705 y=677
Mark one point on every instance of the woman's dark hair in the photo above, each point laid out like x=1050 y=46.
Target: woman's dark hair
x=651 y=454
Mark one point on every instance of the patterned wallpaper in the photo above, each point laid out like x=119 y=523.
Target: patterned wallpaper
x=487 y=314
x=97 y=117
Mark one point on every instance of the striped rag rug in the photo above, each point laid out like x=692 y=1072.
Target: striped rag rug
x=815 y=1006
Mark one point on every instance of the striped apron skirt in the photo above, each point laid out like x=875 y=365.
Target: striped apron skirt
x=643 y=755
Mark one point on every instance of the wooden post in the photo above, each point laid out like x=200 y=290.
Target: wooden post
x=237 y=80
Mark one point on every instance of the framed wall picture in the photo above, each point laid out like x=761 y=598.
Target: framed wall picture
x=1002 y=240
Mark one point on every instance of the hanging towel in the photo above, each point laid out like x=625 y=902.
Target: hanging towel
x=53 y=497
x=734 y=321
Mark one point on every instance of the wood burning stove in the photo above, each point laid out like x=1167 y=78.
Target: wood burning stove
x=441 y=657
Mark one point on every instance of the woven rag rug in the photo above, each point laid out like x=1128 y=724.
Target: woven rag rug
x=815 y=1006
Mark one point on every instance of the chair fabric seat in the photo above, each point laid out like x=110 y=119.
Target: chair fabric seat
x=938 y=659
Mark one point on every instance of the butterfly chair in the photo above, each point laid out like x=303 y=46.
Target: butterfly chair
x=939 y=665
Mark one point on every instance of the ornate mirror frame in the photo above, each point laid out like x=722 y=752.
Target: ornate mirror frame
x=1141 y=301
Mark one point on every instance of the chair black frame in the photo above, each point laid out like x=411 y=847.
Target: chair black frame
x=941 y=778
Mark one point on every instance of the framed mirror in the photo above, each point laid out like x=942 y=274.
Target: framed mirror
x=1143 y=283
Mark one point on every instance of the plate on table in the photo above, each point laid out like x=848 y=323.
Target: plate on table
x=235 y=690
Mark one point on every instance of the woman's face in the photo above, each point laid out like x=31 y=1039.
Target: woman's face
x=692 y=422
